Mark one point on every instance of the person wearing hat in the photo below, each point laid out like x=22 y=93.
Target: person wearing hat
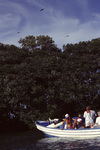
x=97 y=123
x=78 y=122
x=67 y=120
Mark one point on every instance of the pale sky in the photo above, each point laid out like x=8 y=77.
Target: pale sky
x=66 y=21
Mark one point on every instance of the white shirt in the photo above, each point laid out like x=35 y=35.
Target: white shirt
x=98 y=121
x=92 y=114
x=89 y=117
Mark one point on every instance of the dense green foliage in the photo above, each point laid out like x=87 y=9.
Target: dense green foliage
x=39 y=80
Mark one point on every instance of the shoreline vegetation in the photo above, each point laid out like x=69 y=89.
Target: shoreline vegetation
x=40 y=81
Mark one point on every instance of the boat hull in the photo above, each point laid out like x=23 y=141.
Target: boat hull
x=72 y=133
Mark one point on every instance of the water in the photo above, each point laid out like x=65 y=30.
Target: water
x=35 y=140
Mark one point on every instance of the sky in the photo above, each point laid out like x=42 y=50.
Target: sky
x=65 y=21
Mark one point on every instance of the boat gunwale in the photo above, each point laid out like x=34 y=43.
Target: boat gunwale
x=68 y=130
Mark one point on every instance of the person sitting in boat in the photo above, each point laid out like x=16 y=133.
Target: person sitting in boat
x=97 y=122
x=68 y=122
x=78 y=122
x=89 y=116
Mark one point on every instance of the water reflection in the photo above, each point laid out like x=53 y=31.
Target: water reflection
x=68 y=144
x=35 y=140
x=20 y=140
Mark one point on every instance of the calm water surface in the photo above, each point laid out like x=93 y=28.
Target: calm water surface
x=35 y=140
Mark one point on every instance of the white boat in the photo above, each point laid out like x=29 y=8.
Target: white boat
x=50 y=130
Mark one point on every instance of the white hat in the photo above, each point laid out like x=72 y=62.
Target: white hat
x=79 y=120
x=67 y=115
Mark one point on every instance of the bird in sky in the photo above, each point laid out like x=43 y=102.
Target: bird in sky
x=18 y=32
x=42 y=9
x=67 y=35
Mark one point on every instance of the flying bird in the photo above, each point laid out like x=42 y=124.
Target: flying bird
x=67 y=35
x=18 y=32
x=42 y=9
